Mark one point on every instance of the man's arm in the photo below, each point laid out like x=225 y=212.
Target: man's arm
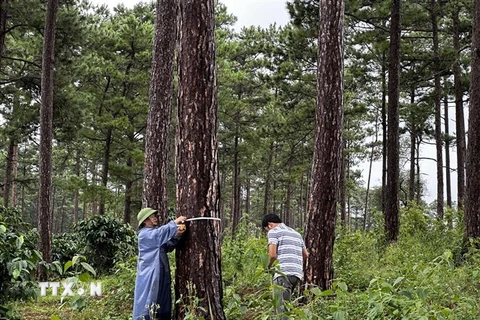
x=272 y=253
x=304 y=254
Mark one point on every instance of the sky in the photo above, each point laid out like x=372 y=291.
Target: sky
x=249 y=12
x=266 y=12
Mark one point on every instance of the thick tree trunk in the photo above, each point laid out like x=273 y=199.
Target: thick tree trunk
x=472 y=204
x=46 y=137
x=438 y=111
x=459 y=115
x=198 y=261
x=393 y=169
x=157 y=145
x=327 y=160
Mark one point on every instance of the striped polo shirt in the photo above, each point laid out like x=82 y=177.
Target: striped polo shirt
x=289 y=250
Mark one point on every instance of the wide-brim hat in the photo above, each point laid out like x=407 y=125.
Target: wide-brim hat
x=144 y=214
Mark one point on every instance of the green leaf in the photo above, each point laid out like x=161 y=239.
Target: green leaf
x=68 y=264
x=85 y=277
x=16 y=273
x=19 y=241
x=3 y=229
x=89 y=268
x=55 y=317
x=343 y=286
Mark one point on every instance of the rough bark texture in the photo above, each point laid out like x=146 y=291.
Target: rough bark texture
x=198 y=260
x=324 y=192
x=438 y=111
x=459 y=116
x=46 y=136
x=157 y=148
x=391 y=196
x=472 y=204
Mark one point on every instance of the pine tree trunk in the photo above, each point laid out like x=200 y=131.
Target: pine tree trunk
x=472 y=204
x=7 y=188
x=384 y=131
x=448 y=182
x=235 y=188
x=157 y=147
x=438 y=111
x=198 y=261
x=459 y=115
x=413 y=144
x=327 y=160
x=3 y=24
x=268 y=181
x=46 y=137
x=393 y=169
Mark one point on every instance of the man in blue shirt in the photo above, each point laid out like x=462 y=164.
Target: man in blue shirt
x=153 y=297
x=286 y=246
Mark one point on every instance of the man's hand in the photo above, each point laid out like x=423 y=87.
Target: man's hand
x=180 y=220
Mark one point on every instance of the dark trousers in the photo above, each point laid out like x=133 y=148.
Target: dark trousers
x=283 y=291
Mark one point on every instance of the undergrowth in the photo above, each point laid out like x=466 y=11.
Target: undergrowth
x=421 y=276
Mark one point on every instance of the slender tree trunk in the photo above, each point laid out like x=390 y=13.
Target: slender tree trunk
x=7 y=188
x=76 y=194
x=343 y=188
x=327 y=160
x=14 y=176
x=235 y=187
x=105 y=169
x=288 y=196
x=157 y=147
x=384 y=131
x=247 y=197
x=46 y=137
x=459 y=116
x=472 y=204
x=413 y=144
x=393 y=185
x=198 y=261
x=447 y=147
x=438 y=111
x=418 y=184
x=366 y=220
x=127 y=206
x=3 y=24
x=268 y=178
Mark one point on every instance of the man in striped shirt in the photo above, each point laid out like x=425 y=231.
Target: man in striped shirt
x=287 y=247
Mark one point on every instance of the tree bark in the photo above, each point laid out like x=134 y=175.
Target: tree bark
x=438 y=111
x=472 y=205
x=46 y=137
x=235 y=187
x=7 y=188
x=448 y=183
x=268 y=181
x=157 y=142
x=326 y=168
x=199 y=273
x=3 y=24
x=393 y=170
x=459 y=115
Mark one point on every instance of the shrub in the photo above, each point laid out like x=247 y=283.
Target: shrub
x=18 y=259
x=105 y=240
